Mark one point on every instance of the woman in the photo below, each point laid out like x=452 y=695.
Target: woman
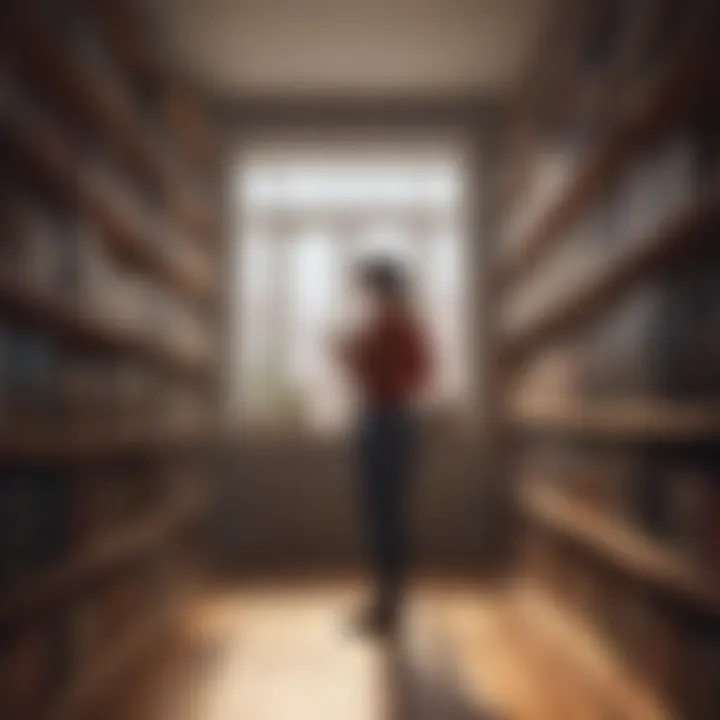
x=389 y=361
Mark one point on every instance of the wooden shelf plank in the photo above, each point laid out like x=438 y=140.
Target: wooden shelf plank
x=620 y=543
x=131 y=233
x=85 y=330
x=89 y=446
x=120 y=546
x=662 y=108
x=686 y=231
x=582 y=652
x=646 y=419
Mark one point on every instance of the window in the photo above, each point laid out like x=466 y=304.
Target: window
x=304 y=223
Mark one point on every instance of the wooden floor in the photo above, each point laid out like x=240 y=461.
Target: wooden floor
x=271 y=651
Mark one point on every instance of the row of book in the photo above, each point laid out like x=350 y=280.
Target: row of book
x=650 y=193
x=675 y=653
x=53 y=255
x=155 y=106
x=670 y=495
x=600 y=61
x=606 y=61
x=83 y=170
x=83 y=36
x=662 y=340
x=50 y=516
x=45 y=387
x=47 y=663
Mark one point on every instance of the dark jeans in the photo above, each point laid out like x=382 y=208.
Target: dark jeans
x=387 y=447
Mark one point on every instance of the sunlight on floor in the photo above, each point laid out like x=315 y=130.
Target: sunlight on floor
x=287 y=651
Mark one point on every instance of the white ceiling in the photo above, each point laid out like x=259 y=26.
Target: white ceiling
x=354 y=47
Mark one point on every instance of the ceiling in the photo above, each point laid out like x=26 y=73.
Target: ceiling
x=284 y=48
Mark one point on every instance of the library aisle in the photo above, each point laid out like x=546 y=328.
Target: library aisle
x=189 y=194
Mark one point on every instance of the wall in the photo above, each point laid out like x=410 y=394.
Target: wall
x=282 y=501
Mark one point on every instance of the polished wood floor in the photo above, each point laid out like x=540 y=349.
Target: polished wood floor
x=285 y=651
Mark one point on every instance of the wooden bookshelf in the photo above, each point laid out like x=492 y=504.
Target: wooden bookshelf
x=662 y=108
x=117 y=548
x=686 y=230
x=652 y=143
x=582 y=653
x=618 y=542
x=623 y=419
x=91 y=157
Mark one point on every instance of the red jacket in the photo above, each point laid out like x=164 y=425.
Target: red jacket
x=391 y=360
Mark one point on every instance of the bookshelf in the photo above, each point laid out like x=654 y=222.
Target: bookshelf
x=608 y=279
x=109 y=348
